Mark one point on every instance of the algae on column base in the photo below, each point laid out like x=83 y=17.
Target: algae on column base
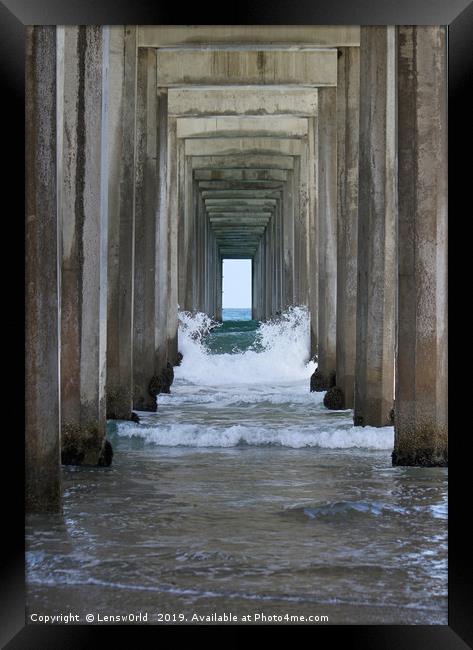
x=162 y=381
x=334 y=398
x=320 y=382
x=85 y=445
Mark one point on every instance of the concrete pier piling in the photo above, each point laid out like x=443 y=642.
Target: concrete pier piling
x=83 y=214
x=348 y=106
x=421 y=363
x=326 y=235
x=156 y=153
x=123 y=70
x=377 y=213
x=146 y=206
x=43 y=299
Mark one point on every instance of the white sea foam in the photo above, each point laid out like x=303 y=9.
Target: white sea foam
x=195 y=435
x=184 y=393
x=284 y=357
x=259 y=397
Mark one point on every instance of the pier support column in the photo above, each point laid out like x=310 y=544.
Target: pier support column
x=83 y=206
x=348 y=103
x=42 y=441
x=374 y=368
x=301 y=228
x=144 y=312
x=288 y=240
x=326 y=234
x=254 y=276
x=183 y=234
x=421 y=369
x=218 y=298
x=312 y=238
x=162 y=260
x=172 y=221
x=189 y=216
x=121 y=222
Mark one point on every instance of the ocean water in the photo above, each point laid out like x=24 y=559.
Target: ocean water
x=237 y=314
x=244 y=495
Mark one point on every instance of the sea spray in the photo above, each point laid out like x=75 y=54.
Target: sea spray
x=258 y=396
x=279 y=354
x=274 y=435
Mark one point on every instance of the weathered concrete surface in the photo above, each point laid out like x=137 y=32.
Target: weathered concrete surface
x=84 y=213
x=285 y=126
x=238 y=193
x=186 y=252
x=172 y=203
x=374 y=368
x=321 y=35
x=348 y=103
x=244 y=177
x=262 y=66
x=326 y=233
x=146 y=194
x=421 y=369
x=288 y=241
x=42 y=447
x=161 y=300
x=301 y=227
x=240 y=101
x=312 y=235
x=219 y=288
x=233 y=146
x=242 y=160
x=119 y=387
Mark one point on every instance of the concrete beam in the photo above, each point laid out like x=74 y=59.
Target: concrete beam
x=232 y=232
x=245 y=66
x=243 y=161
x=238 y=221
x=377 y=210
x=321 y=35
x=236 y=229
x=238 y=243
x=285 y=126
x=229 y=251
x=42 y=299
x=240 y=176
x=241 y=193
x=421 y=421
x=212 y=204
x=241 y=100
x=232 y=146
x=215 y=187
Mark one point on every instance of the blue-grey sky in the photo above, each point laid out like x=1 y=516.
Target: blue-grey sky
x=236 y=284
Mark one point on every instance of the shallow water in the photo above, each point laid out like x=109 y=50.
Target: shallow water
x=244 y=495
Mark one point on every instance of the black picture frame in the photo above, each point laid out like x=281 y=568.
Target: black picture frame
x=14 y=15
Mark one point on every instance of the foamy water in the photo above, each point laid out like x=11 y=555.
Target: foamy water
x=243 y=493
x=280 y=353
x=256 y=396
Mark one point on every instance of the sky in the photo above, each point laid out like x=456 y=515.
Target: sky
x=236 y=284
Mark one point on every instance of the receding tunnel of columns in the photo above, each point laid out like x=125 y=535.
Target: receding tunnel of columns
x=240 y=175
x=196 y=145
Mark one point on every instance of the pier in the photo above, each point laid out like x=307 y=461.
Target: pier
x=154 y=153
